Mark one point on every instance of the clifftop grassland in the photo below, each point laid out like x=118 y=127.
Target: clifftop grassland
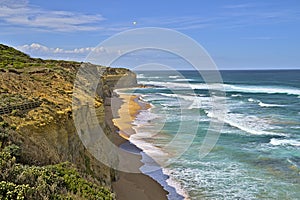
x=41 y=155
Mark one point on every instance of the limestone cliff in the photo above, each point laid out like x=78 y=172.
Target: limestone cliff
x=47 y=134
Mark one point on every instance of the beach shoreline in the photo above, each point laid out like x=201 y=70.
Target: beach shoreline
x=133 y=186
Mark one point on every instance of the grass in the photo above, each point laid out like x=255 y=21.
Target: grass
x=12 y=58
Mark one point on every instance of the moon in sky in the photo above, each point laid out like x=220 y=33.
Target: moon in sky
x=134 y=23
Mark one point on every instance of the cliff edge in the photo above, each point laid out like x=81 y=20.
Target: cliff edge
x=36 y=124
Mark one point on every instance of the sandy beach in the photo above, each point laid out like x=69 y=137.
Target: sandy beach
x=133 y=186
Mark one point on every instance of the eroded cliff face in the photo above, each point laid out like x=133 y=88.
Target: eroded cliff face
x=47 y=134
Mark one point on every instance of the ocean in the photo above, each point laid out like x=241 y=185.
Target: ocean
x=257 y=154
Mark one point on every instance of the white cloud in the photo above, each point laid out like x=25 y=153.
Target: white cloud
x=78 y=54
x=35 y=47
x=14 y=3
x=179 y=23
x=231 y=16
x=259 y=13
x=20 y=13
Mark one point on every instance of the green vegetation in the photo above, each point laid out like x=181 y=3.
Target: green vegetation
x=60 y=181
x=8 y=99
x=11 y=58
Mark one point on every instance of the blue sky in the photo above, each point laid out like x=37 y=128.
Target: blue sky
x=237 y=34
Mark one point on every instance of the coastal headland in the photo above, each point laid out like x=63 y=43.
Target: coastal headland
x=42 y=139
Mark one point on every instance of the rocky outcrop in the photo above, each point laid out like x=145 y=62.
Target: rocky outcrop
x=114 y=78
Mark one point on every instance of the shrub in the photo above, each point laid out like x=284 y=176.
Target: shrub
x=60 y=181
x=9 y=190
x=13 y=149
x=3 y=136
x=4 y=124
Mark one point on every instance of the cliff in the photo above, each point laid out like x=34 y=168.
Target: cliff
x=46 y=134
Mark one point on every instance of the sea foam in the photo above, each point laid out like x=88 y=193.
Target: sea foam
x=228 y=87
x=249 y=124
x=277 y=142
x=261 y=104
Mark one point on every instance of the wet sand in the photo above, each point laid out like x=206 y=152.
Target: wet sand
x=133 y=186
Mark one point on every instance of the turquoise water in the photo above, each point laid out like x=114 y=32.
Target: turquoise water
x=257 y=155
